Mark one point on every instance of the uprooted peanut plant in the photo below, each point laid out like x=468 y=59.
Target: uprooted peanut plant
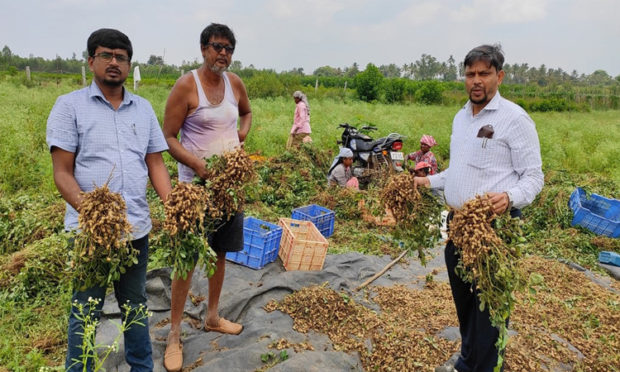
x=102 y=248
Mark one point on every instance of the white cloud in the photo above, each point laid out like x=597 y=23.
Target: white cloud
x=320 y=11
x=595 y=12
x=283 y=34
x=501 y=12
x=422 y=13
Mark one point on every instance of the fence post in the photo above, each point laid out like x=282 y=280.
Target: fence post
x=316 y=85
x=28 y=73
x=136 y=78
x=345 y=86
x=83 y=75
x=182 y=72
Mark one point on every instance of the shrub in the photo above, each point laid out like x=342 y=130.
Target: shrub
x=429 y=92
x=265 y=85
x=547 y=105
x=368 y=83
x=614 y=102
x=394 y=90
x=36 y=269
x=26 y=218
x=290 y=180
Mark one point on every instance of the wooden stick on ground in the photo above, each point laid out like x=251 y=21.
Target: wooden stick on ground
x=386 y=268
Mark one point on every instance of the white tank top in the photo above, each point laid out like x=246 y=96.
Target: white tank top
x=211 y=129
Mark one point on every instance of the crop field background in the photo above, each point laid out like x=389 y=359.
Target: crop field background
x=578 y=149
x=577 y=142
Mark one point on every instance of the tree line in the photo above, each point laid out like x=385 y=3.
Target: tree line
x=425 y=68
x=425 y=81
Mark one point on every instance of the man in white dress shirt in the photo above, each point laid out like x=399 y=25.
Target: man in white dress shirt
x=494 y=150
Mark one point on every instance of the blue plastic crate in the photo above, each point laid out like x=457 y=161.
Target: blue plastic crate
x=261 y=241
x=611 y=258
x=321 y=217
x=597 y=213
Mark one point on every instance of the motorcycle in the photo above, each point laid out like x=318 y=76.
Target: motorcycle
x=369 y=153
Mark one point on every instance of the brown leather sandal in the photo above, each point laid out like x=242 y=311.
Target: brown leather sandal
x=173 y=357
x=225 y=326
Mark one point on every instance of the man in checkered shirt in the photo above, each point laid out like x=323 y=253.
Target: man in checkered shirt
x=100 y=133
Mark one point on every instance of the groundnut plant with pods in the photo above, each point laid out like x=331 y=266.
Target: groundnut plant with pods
x=489 y=258
x=416 y=211
x=227 y=176
x=102 y=248
x=185 y=235
x=195 y=210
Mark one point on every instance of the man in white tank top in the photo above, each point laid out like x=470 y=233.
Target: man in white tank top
x=205 y=106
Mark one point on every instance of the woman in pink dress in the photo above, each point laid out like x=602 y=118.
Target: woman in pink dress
x=301 y=123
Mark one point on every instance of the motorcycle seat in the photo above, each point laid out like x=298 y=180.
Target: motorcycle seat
x=361 y=136
x=381 y=143
x=365 y=145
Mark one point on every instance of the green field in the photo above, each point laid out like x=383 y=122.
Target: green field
x=578 y=149
x=580 y=143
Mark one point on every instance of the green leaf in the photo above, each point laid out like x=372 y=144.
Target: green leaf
x=283 y=355
x=267 y=356
x=536 y=279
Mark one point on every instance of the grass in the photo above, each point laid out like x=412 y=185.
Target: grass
x=584 y=143
x=577 y=149
x=24 y=158
x=34 y=332
x=581 y=143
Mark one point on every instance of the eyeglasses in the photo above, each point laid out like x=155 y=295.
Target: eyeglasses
x=107 y=57
x=218 y=47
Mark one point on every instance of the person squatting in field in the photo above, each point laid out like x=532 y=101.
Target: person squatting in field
x=98 y=134
x=422 y=169
x=340 y=172
x=205 y=105
x=494 y=150
x=424 y=154
x=300 y=132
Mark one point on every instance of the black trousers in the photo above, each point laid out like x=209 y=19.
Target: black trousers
x=478 y=336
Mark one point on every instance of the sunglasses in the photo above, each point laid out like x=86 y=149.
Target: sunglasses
x=107 y=57
x=218 y=47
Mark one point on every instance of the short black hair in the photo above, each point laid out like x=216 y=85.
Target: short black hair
x=219 y=30
x=491 y=54
x=108 y=38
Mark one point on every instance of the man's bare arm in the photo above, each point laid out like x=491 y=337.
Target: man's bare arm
x=158 y=173
x=177 y=109
x=245 y=111
x=63 y=162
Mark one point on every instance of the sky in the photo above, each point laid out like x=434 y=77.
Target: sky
x=582 y=35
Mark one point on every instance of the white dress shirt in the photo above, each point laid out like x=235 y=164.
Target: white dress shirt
x=508 y=162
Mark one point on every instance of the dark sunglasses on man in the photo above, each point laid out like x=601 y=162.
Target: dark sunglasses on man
x=218 y=47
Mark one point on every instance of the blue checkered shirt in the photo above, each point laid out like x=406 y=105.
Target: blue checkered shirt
x=108 y=144
x=508 y=162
